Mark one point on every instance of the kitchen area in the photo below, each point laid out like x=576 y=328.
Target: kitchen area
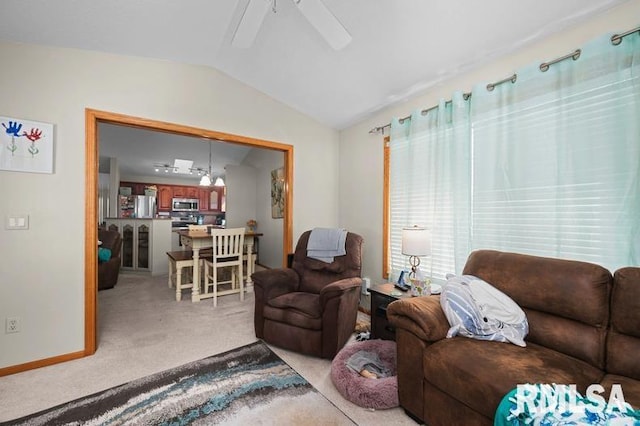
x=152 y=185
x=150 y=216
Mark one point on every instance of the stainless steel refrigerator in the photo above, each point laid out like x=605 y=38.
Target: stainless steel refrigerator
x=145 y=206
x=141 y=206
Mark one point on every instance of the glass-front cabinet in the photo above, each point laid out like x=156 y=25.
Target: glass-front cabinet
x=144 y=238
x=127 y=244
x=136 y=242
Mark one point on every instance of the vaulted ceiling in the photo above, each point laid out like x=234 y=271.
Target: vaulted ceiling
x=398 y=48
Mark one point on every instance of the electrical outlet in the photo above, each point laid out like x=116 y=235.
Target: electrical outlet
x=12 y=325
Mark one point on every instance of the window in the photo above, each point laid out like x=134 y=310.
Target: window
x=546 y=166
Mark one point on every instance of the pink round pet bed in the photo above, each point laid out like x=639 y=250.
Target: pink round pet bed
x=381 y=393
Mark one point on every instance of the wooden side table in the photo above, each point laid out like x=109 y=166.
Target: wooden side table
x=381 y=296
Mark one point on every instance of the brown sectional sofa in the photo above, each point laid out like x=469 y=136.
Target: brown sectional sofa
x=584 y=328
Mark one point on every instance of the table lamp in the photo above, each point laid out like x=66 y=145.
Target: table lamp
x=416 y=242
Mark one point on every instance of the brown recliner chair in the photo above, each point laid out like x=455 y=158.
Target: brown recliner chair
x=311 y=307
x=108 y=271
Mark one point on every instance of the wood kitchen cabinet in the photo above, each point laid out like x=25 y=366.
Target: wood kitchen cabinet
x=210 y=198
x=136 y=187
x=192 y=192
x=180 y=191
x=204 y=195
x=165 y=193
x=216 y=199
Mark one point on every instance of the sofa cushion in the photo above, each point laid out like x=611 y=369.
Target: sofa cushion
x=570 y=337
x=557 y=289
x=301 y=309
x=630 y=388
x=479 y=373
x=623 y=344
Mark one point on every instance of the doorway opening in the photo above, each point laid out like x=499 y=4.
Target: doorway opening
x=92 y=119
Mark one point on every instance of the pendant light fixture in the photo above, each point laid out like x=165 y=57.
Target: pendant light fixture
x=219 y=182
x=206 y=178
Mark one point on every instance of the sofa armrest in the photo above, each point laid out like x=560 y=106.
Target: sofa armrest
x=339 y=304
x=337 y=288
x=275 y=282
x=267 y=285
x=421 y=316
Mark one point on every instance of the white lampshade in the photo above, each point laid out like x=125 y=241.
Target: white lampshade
x=219 y=182
x=205 y=181
x=416 y=241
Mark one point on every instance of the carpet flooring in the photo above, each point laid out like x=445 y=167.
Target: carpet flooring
x=247 y=385
x=142 y=330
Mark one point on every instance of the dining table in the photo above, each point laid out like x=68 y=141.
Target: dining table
x=197 y=240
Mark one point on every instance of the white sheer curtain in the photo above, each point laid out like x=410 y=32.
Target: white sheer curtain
x=556 y=158
x=429 y=175
x=548 y=165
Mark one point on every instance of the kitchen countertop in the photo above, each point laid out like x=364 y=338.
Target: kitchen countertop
x=138 y=218
x=186 y=228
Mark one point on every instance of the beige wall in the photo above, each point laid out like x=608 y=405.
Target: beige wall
x=270 y=244
x=361 y=156
x=42 y=269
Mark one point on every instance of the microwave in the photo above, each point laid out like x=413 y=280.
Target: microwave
x=185 y=205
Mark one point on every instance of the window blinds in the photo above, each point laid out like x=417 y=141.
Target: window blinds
x=547 y=166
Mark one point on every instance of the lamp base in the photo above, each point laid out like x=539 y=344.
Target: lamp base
x=414 y=261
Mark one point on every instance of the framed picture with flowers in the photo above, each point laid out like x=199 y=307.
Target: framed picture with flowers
x=26 y=145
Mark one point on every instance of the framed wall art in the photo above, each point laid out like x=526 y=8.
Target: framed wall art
x=25 y=145
x=277 y=193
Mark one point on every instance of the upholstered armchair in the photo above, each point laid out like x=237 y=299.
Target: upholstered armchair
x=108 y=271
x=310 y=307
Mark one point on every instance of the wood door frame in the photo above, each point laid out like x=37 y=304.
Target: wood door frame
x=92 y=119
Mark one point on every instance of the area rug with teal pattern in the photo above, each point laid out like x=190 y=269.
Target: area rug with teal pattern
x=245 y=386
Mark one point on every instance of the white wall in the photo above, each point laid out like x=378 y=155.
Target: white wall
x=241 y=195
x=270 y=244
x=44 y=285
x=361 y=154
x=42 y=269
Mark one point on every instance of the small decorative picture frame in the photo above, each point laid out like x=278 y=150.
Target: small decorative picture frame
x=26 y=145
x=277 y=193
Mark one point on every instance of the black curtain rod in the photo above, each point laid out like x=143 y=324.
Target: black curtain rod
x=616 y=39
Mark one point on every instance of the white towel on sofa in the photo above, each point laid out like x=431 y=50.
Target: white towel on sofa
x=326 y=243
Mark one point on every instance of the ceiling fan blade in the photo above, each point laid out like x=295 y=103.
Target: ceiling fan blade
x=324 y=22
x=250 y=23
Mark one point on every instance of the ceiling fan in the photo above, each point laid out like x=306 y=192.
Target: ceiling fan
x=315 y=11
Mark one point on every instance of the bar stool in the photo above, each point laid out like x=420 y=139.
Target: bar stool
x=178 y=260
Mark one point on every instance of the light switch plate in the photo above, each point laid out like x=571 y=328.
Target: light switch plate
x=17 y=221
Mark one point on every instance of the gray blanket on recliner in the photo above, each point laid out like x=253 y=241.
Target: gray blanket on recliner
x=326 y=243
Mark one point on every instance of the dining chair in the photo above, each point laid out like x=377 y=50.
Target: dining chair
x=180 y=271
x=245 y=259
x=205 y=253
x=227 y=251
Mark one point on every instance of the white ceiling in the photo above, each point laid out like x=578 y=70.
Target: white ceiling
x=399 y=47
x=139 y=151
